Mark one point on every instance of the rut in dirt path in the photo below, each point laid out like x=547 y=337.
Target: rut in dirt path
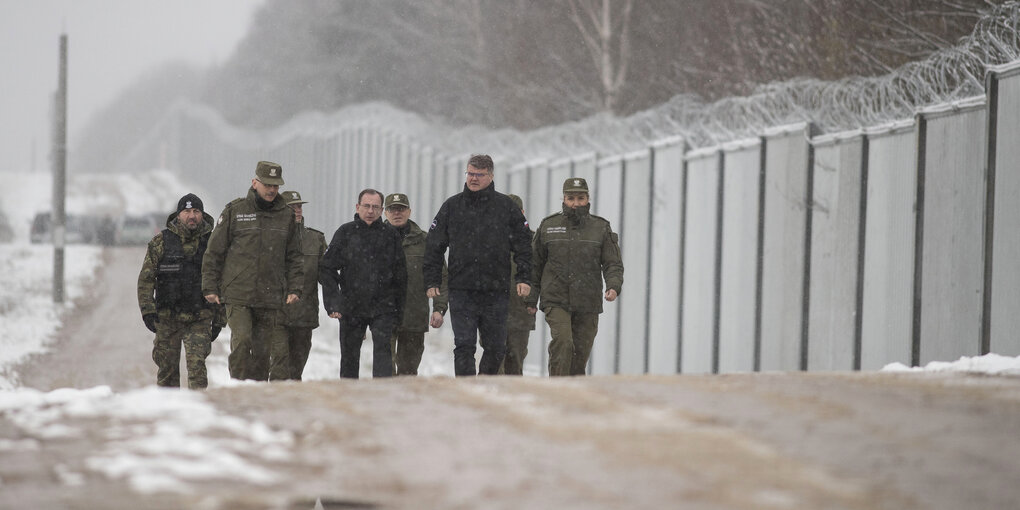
x=103 y=340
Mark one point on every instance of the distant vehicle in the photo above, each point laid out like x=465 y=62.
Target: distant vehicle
x=40 y=231
x=133 y=229
x=78 y=229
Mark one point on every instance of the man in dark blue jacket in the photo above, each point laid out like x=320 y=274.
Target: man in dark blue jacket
x=482 y=228
x=364 y=282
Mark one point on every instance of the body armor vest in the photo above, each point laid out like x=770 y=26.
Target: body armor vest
x=179 y=279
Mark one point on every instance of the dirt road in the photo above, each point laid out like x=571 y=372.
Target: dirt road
x=761 y=441
x=104 y=341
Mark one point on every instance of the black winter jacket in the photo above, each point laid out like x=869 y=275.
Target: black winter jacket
x=363 y=272
x=481 y=229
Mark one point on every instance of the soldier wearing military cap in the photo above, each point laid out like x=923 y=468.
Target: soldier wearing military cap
x=170 y=295
x=520 y=321
x=408 y=342
x=254 y=266
x=574 y=251
x=302 y=317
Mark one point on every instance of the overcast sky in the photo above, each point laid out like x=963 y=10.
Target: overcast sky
x=111 y=43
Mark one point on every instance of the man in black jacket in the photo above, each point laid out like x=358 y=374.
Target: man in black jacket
x=481 y=228
x=364 y=278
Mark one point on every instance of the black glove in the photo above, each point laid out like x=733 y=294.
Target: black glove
x=150 y=320
x=215 y=332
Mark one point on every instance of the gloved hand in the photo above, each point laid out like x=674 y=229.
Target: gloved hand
x=215 y=332
x=150 y=320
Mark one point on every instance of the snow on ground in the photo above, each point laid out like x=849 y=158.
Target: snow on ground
x=992 y=364
x=157 y=439
x=28 y=315
x=324 y=359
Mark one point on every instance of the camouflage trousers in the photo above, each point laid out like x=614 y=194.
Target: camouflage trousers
x=171 y=333
x=258 y=344
x=573 y=334
x=299 y=340
x=516 y=351
x=407 y=348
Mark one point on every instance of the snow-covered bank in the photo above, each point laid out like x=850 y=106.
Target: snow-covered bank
x=28 y=315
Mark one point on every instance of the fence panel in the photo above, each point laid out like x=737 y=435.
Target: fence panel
x=951 y=231
x=584 y=165
x=739 y=258
x=835 y=256
x=666 y=246
x=609 y=199
x=787 y=187
x=535 y=201
x=700 y=256
x=890 y=220
x=559 y=171
x=1004 y=166
x=634 y=242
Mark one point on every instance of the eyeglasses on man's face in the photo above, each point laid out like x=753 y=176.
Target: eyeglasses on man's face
x=371 y=207
x=476 y=175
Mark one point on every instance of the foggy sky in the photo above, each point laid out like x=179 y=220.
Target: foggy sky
x=111 y=43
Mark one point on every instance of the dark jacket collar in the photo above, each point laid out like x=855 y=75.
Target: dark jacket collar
x=360 y=223
x=485 y=193
x=256 y=200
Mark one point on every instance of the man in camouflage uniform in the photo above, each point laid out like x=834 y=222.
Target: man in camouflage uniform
x=520 y=321
x=253 y=261
x=302 y=317
x=170 y=295
x=573 y=251
x=409 y=337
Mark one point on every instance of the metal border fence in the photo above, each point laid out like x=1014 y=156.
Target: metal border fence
x=792 y=250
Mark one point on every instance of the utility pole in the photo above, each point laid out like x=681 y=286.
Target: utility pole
x=58 y=219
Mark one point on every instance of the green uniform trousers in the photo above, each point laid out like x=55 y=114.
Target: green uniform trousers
x=166 y=352
x=573 y=334
x=258 y=344
x=516 y=351
x=407 y=348
x=299 y=341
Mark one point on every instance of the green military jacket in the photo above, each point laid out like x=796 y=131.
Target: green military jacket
x=254 y=256
x=416 y=307
x=518 y=318
x=572 y=253
x=150 y=268
x=305 y=313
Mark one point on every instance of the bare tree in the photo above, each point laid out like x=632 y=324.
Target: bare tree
x=595 y=21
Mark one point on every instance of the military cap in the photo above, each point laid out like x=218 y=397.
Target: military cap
x=293 y=197
x=575 y=185
x=397 y=199
x=517 y=201
x=270 y=173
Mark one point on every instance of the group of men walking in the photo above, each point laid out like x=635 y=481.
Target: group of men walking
x=257 y=270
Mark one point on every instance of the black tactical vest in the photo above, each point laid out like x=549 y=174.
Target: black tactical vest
x=179 y=279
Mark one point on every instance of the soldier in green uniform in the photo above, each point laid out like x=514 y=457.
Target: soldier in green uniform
x=408 y=340
x=520 y=320
x=573 y=252
x=302 y=317
x=254 y=266
x=170 y=295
